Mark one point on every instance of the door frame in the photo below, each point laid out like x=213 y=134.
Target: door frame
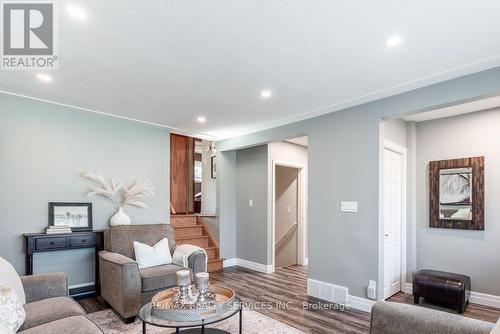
x=391 y=146
x=301 y=213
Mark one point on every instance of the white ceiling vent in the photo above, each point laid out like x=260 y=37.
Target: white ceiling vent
x=328 y=292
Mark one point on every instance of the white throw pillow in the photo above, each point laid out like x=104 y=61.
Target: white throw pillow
x=5 y=330
x=496 y=330
x=147 y=256
x=10 y=278
x=12 y=314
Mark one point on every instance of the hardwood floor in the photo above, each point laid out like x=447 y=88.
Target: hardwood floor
x=475 y=311
x=283 y=294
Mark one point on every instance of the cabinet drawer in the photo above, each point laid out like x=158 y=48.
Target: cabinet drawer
x=82 y=240
x=52 y=242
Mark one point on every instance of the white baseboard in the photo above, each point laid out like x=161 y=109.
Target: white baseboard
x=484 y=299
x=362 y=304
x=262 y=268
x=229 y=262
x=337 y=294
x=408 y=288
x=475 y=297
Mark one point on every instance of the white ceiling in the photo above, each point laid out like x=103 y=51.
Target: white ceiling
x=455 y=110
x=168 y=62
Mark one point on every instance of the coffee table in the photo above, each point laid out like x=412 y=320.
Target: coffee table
x=194 y=327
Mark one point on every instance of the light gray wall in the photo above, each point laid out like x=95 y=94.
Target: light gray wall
x=474 y=253
x=344 y=156
x=251 y=222
x=213 y=226
x=208 y=185
x=226 y=190
x=411 y=200
x=43 y=151
x=395 y=131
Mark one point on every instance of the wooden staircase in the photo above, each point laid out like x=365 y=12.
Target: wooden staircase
x=191 y=229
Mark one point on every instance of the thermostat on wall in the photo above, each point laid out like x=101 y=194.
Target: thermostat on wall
x=348 y=206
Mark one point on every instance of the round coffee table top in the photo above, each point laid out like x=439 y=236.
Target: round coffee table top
x=146 y=316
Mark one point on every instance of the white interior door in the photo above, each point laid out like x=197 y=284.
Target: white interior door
x=393 y=200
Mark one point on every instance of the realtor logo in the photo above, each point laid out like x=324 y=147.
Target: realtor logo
x=29 y=36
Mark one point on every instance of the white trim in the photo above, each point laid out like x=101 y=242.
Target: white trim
x=408 y=288
x=388 y=145
x=306 y=261
x=475 y=297
x=301 y=235
x=262 y=268
x=337 y=294
x=229 y=263
x=362 y=304
x=82 y=285
x=135 y=120
x=484 y=299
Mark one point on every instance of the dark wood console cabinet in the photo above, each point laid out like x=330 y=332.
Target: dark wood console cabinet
x=41 y=242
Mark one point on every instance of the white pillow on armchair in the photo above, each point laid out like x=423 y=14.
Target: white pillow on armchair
x=147 y=256
x=10 y=277
x=12 y=314
x=496 y=329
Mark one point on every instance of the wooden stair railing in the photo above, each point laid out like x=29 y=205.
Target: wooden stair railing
x=287 y=235
x=193 y=230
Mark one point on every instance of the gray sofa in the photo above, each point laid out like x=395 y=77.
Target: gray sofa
x=396 y=318
x=49 y=310
x=126 y=287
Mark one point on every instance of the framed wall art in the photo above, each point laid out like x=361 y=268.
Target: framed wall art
x=456 y=193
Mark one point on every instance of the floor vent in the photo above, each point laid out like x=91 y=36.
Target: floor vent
x=326 y=291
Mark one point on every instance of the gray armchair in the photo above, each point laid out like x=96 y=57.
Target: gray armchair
x=126 y=287
x=49 y=309
x=396 y=318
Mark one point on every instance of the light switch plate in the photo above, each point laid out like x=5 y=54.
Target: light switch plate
x=250 y=202
x=349 y=206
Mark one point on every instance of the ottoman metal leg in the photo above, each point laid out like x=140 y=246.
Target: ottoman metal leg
x=416 y=299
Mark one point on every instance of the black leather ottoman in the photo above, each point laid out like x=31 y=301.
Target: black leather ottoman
x=450 y=288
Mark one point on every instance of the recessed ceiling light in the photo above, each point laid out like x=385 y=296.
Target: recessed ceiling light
x=44 y=77
x=393 y=41
x=201 y=119
x=266 y=94
x=76 y=12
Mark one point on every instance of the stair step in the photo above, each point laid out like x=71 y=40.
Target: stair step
x=215 y=265
x=178 y=221
x=211 y=252
x=200 y=241
x=188 y=231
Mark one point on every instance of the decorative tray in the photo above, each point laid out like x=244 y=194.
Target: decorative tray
x=163 y=305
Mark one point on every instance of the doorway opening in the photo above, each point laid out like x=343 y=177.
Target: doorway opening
x=394 y=213
x=286 y=216
x=192 y=178
x=287 y=243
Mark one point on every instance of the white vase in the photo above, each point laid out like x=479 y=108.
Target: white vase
x=119 y=218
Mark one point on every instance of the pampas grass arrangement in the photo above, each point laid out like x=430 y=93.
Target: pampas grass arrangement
x=134 y=194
